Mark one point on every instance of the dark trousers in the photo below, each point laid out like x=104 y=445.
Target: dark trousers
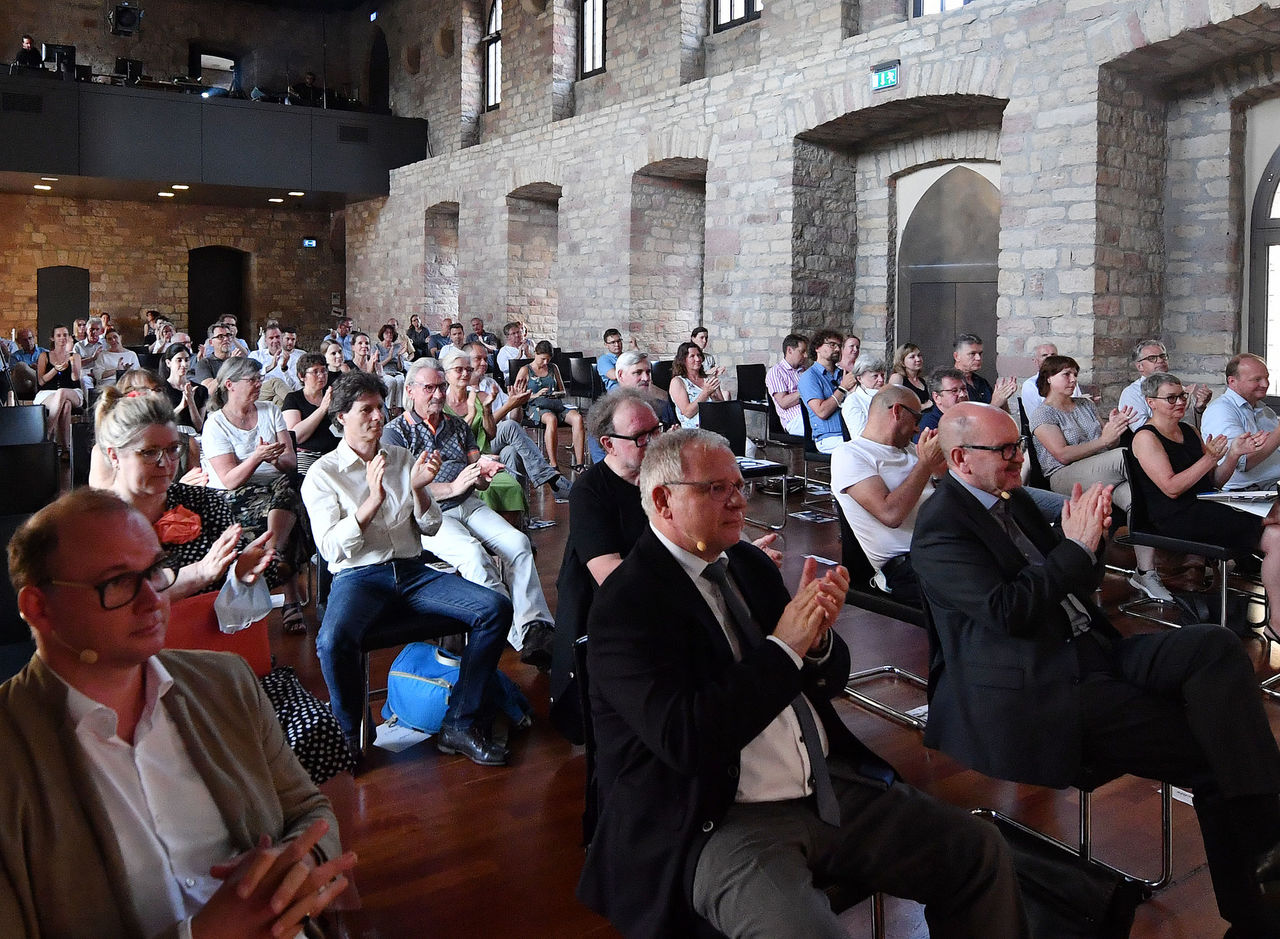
x=1183 y=706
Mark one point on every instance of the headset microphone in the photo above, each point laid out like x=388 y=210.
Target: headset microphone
x=86 y=656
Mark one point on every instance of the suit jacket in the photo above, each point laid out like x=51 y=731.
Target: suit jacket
x=672 y=711
x=1003 y=671
x=61 y=873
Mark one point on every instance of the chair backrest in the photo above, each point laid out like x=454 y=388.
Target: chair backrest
x=194 y=625
x=661 y=373
x=31 y=476
x=727 y=419
x=751 y=385
x=513 y=369
x=861 y=594
x=152 y=361
x=1139 y=520
x=22 y=424
x=580 y=376
x=1036 y=477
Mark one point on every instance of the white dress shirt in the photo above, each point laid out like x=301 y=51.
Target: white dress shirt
x=336 y=486
x=283 y=369
x=775 y=765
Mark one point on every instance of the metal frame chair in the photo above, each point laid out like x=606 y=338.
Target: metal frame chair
x=728 y=419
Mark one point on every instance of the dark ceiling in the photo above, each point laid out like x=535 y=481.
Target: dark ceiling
x=316 y=6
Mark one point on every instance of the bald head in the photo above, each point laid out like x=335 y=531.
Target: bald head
x=892 y=416
x=973 y=437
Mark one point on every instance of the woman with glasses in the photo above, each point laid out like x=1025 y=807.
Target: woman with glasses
x=466 y=402
x=188 y=398
x=136 y=382
x=1176 y=465
x=1073 y=446
x=248 y=454
x=306 y=412
x=204 y=544
x=869 y=371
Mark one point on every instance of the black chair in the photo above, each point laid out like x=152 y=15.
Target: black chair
x=584 y=380
x=24 y=423
x=82 y=437
x=728 y=419
x=751 y=388
x=812 y=455
x=1036 y=478
x=513 y=369
x=153 y=361
x=16 y=646
x=661 y=374
x=31 y=474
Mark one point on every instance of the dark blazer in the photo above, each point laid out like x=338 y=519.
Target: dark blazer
x=672 y=711
x=1003 y=670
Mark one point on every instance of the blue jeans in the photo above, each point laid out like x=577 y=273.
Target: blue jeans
x=362 y=596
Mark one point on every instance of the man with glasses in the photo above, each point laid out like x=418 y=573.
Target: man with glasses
x=1149 y=357
x=607 y=364
x=1030 y=682
x=727 y=783
x=880 y=480
x=947 y=387
x=150 y=773
x=823 y=389
x=1241 y=410
x=471 y=533
x=516 y=346
x=205 y=371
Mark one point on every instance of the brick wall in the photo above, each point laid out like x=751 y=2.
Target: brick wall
x=666 y=261
x=532 y=291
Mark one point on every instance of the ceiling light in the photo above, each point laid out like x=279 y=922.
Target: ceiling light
x=179 y=186
x=296 y=193
x=273 y=199
x=43 y=187
x=165 y=195
x=49 y=179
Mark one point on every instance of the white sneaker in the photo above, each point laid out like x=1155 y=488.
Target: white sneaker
x=1148 y=582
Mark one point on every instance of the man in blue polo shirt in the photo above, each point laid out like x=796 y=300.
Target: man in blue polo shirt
x=607 y=364
x=823 y=389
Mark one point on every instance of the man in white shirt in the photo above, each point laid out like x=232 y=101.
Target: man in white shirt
x=370 y=504
x=89 y=349
x=880 y=480
x=783 y=383
x=153 y=774
x=516 y=346
x=275 y=361
x=1149 y=357
x=1031 y=397
x=1240 y=411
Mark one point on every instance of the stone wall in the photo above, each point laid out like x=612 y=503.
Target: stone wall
x=667 y=217
x=532 y=293
x=136 y=255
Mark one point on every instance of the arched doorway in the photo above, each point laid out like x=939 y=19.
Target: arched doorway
x=947 y=266
x=217 y=279
x=379 y=75
x=1264 y=266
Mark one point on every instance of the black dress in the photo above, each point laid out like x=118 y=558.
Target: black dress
x=175 y=398
x=1187 y=516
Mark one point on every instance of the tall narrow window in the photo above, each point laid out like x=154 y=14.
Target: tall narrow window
x=929 y=7
x=1264 y=269
x=592 y=38
x=493 y=58
x=735 y=12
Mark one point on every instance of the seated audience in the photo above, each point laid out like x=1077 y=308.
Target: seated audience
x=456 y=336
x=515 y=346
x=947 y=388
x=334 y=360
x=546 y=397
x=470 y=530
x=149 y=320
x=880 y=480
x=370 y=503
x=1075 y=448
x=691 y=384
x=188 y=398
x=823 y=388
x=102 y=471
x=341 y=334
x=1240 y=411
x=1030 y=683
x=783 y=383
x=390 y=354
x=1176 y=466
x=306 y=412
x=58 y=382
x=868 y=372
x=1149 y=357
x=463 y=400
x=440 y=339
x=607 y=364
x=217 y=351
x=90 y=350
x=699 y=337
x=28 y=353
x=28 y=55
x=418 y=335
x=727 y=782
x=248 y=454
x=483 y=336
x=1031 y=398
x=163 y=337
x=967 y=353
x=275 y=365
x=223 y=834
x=113 y=361
x=908 y=371
x=634 y=371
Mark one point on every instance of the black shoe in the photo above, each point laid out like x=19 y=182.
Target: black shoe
x=537 y=646
x=1267 y=871
x=472 y=744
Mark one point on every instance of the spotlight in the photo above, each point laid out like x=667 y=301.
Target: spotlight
x=124 y=20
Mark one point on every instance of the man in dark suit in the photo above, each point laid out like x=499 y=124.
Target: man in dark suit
x=1029 y=681
x=727 y=782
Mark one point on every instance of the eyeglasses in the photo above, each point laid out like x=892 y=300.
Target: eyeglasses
x=120 y=590
x=956 y=392
x=1007 y=451
x=216 y=336
x=1171 y=399
x=156 y=454
x=430 y=387
x=460 y=368
x=1162 y=357
x=318 y=371
x=914 y=413
x=251 y=379
x=720 y=491
x=642 y=439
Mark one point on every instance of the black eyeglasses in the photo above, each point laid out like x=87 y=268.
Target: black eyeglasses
x=1007 y=451
x=1162 y=357
x=1171 y=399
x=123 y=588
x=914 y=413
x=642 y=439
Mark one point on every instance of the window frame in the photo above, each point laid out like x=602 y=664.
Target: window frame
x=601 y=11
x=491 y=55
x=752 y=11
x=917 y=8
x=1264 y=233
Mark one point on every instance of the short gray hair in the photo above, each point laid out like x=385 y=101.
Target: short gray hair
x=664 y=460
x=600 y=420
x=1137 y=349
x=867 y=363
x=631 y=357
x=1150 y=386
x=451 y=355
x=420 y=365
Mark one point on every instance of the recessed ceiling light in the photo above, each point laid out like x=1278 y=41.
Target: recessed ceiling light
x=180 y=186
x=296 y=193
x=273 y=199
x=49 y=179
x=43 y=187
x=165 y=195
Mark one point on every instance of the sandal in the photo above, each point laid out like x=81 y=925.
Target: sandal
x=294 y=622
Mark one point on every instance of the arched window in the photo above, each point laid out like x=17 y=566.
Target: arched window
x=492 y=44
x=929 y=7
x=728 y=13
x=591 y=39
x=1264 y=265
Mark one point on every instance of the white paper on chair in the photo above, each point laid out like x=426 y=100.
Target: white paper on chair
x=398 y=737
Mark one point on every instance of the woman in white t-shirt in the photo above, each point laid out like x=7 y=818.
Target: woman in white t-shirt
x=247 y=452
x=114 y=361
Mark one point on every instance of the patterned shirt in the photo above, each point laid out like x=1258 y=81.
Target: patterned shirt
x=454 y=441
x=780 y=380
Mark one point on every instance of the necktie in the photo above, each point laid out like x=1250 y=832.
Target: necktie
x=749 y=637
x=1076 y=611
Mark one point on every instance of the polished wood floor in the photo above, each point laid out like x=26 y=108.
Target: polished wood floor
x=447 y=847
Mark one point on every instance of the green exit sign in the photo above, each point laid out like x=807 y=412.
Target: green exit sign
x=884 y=75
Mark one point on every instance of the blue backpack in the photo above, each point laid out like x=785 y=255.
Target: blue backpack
x=420 y=682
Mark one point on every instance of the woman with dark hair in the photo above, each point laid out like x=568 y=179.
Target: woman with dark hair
x=58 y=381
x=188 y=398
x=335 y=360
x=546 y=397
x=690 y=385
x=306 y=411
x=249 y=455
x=390 y=355
x=908 y=371
x=419 y=335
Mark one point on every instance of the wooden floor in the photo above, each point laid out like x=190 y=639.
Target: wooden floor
x=447 y=847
